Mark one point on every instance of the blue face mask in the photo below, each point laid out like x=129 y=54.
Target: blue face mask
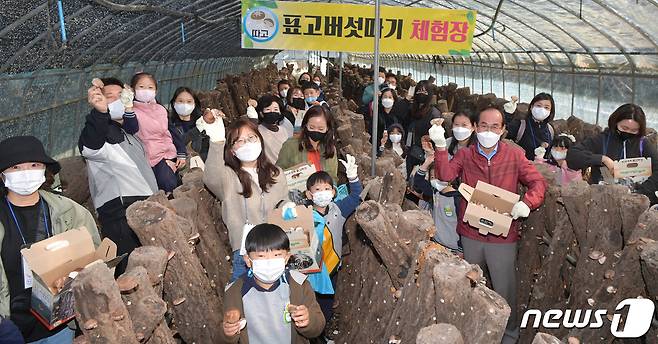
x=310 y=100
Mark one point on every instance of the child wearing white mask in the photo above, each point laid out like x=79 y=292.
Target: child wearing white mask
x=239 y=174
x=444 y=197
x=165 y=155
x=29 y=215
x=534 y=131
x=330 y=218
x=270 y=304
x=392 y=141
x=185 y=110
x=557 y=162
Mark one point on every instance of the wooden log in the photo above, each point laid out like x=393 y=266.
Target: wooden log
x=649 y=263
x=363 y=279
x=213 y=247
x=147 y=309
x=372 y=217
x=625 y=279
x=187 y=290
x=464 y=301
x=551 y=287
x=439 y=333
x=413 y=225
x=154 y=259
x=603 y=238
x=545 y=338
x=417 y=296
x=99 y=308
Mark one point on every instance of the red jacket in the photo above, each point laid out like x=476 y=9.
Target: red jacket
x=507 y=168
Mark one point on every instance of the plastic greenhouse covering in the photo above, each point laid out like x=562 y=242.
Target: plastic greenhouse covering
x=591 y=55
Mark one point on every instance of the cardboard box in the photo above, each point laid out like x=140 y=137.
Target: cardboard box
x=305 y=247
x=633 y=167
x=54 y=258
x=297 y=176
x=489 y=208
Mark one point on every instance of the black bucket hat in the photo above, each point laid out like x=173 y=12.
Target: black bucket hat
x=20 y=149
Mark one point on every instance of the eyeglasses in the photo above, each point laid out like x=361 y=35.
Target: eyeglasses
x=243 y=141
x=493 y=127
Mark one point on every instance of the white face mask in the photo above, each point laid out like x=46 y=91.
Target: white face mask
x=558 y=155
x=116 y=109
x=381 y=80
x=437 y=184
x=268 y=270
x=461 y=133
x=387 y=103
x=317 y=83
x=391 y=87
x=184 y=109
x=323 y=198
x=488 y=139
x=248 y=152
x=25 y=182
x=395 y=138
x=283 y=93
x=539 y=113
x=145 y=96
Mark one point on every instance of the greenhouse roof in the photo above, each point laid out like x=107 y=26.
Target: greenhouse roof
x=605 y=36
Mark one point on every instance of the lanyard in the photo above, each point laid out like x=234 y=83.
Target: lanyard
x=18 y=226
x=623 y=151
x=532 y=134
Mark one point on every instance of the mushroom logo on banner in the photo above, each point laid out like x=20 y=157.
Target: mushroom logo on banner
x=285 y=25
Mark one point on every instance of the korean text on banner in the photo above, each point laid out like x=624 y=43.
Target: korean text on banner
x=285 y=25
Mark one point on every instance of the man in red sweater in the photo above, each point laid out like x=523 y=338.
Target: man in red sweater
x=502 y=165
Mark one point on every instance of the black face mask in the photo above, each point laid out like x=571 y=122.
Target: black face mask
x=625 y=135
x=421 y=98
x=272 y=117
x=316 y=136
x=298 y=103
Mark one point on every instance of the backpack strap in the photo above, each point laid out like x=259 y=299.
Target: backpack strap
x=519 y=134
x=642 y=146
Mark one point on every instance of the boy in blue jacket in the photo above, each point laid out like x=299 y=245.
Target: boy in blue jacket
x=329 y=218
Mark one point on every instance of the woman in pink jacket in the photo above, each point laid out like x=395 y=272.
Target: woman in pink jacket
x=556 y=160
x=154 y=132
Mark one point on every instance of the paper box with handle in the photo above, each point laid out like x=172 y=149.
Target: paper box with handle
x=633 y=167
x=489 y=208
x=54 y=263
x=304 y=244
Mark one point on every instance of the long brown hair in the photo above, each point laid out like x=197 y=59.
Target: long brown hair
x=329 y=139
x=267 y=172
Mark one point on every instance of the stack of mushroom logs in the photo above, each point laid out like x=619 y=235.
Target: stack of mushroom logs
x=587 y=247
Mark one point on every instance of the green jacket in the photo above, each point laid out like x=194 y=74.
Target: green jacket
x=290 y=156
x=65 y=214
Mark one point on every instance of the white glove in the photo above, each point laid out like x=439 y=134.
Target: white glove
x=127 y=96
x=289 y=206
x=251 y=112
x=438 y=136
x=520 y=209
x=215 y=131
x=510 y=107
x=540 y=152
x=351 y=168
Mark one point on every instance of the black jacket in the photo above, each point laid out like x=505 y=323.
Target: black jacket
x=534 y=134
x=385 y=120
x=589 y=152
x=188 y=133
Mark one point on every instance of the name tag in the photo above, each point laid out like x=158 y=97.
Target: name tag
x=27 y=274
